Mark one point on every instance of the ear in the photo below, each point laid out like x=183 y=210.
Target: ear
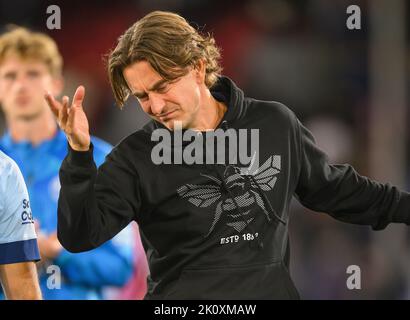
x=200 y=70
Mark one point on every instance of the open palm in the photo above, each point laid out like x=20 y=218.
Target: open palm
x=72 y=119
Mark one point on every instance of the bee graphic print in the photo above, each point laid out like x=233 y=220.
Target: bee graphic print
x=236 y=193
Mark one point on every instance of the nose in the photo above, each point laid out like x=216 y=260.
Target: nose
x=157 y=103
x=20 y=84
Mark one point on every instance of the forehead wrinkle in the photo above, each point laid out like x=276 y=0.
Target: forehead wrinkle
x=153 y=87
x=151 y=78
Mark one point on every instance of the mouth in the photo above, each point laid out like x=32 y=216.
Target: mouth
x=22 y=100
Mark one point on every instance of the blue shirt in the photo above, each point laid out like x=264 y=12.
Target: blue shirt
x=83 y=275
x=17 y=233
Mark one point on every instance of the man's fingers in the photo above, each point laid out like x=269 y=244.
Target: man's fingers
x=66 y=101
x=70 y=118
x=62 y=117
x=79 y=97
x=54 y=105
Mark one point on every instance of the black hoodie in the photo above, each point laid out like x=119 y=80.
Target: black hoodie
x=214 y=231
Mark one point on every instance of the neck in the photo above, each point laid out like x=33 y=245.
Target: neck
x=35 y=130
x=210 y=113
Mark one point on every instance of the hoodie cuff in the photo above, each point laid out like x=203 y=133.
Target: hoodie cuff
x=402 y=214
x=81 y=158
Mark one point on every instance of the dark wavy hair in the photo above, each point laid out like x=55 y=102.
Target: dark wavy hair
x=169 y=44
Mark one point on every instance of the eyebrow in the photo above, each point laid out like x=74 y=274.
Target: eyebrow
x=156 y=85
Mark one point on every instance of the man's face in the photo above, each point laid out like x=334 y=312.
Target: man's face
x=163 y=101
x=23 y=84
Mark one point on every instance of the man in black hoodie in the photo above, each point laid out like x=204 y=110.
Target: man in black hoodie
x=213 y=227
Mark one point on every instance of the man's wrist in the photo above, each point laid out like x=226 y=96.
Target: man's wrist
x=79 y=148
x=81 y=158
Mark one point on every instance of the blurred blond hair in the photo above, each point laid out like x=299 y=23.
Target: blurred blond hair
x=29 y=45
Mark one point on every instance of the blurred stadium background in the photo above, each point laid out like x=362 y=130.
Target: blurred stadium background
x=350 y=87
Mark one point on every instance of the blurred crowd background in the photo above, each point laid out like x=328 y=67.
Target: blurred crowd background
x=349 y=87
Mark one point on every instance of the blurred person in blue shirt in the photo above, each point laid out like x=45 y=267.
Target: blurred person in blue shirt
x=30 y=65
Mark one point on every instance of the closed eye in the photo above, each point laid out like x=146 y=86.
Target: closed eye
x=162 y=89
x=162 y=86
x=141 y=97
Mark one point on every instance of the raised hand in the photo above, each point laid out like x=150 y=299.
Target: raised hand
x=72 y=120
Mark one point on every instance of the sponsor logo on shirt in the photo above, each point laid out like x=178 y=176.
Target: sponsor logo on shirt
x=26 y=215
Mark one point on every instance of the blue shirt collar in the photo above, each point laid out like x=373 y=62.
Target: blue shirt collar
x=8 y=142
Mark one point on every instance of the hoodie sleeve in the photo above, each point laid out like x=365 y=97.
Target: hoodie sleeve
x=109 y=265
x=95 y=205
x=344 y=194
